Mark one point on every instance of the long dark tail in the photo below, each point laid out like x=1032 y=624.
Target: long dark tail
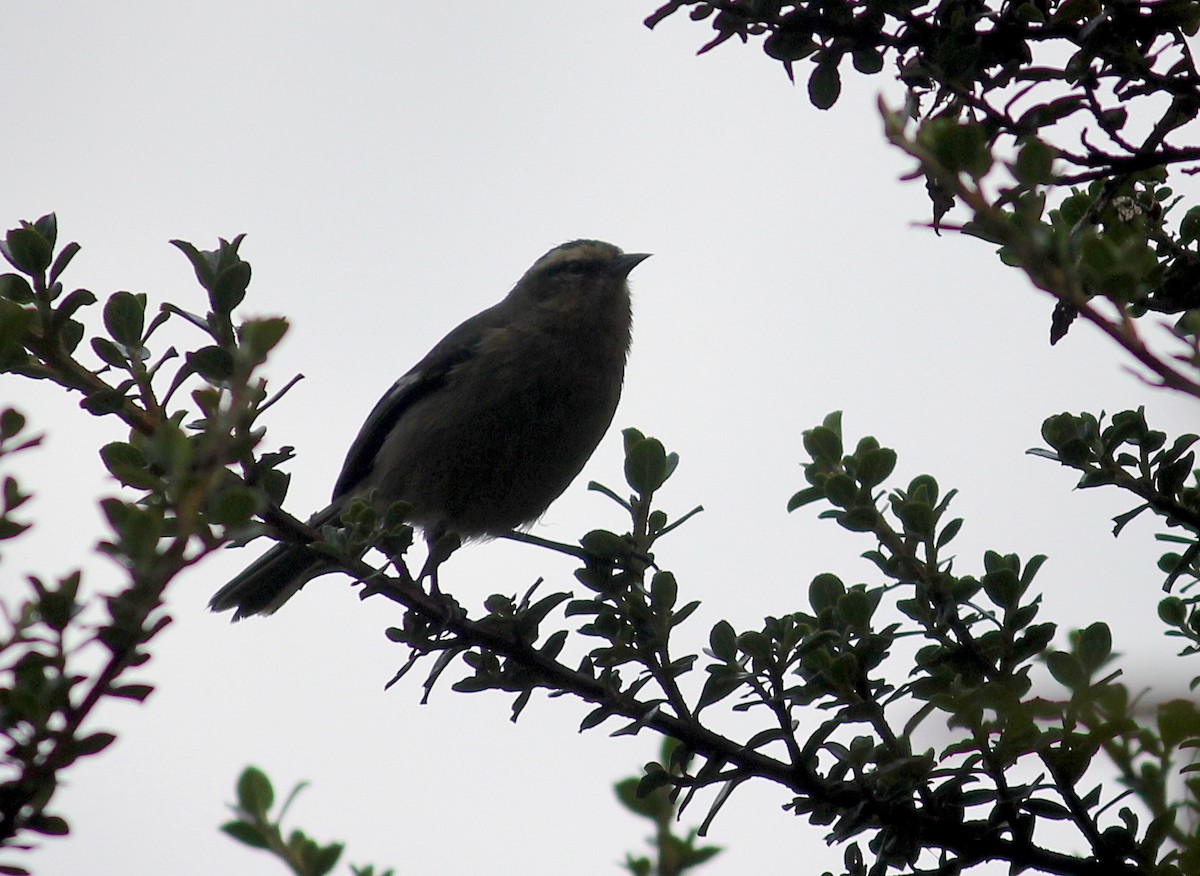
x=270 y=581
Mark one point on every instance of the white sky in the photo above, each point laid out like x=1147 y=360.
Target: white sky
x=396 y=167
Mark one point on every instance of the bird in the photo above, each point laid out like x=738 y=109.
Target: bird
x=490 y=427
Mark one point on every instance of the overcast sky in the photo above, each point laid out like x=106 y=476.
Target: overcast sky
x=396 y=167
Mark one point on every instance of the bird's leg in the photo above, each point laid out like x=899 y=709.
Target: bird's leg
x=441 y=546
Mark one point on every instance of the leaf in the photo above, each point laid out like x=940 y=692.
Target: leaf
x=260 y=336
x=1178 y=720
x=137 y=692
x=646 y=466
x=717 y=686
x=27 y=249
x=12 y=422
x=825 y=591
x=959 y=147
x=50 y=825
x=1172 y=611
x=93 y=744
x=723 y=641
x=875 y=467
x=1048 y=113
x=229 y=289
x=1003 y=587
x=825 y=85
x=824 y=445
x=949 y=531
x=235 y=506
x=324 y=860
x=64 y=259
x=128 y=464
x=867 y=60
x=16 y=288
x=1035 y=163
x=246 y=834
x=75 y=300
x=1095 y=646
x=1066 y=669
x=663 y=592
x=203 y=262
x=254 y=792
x=108 y=352
x=805 y=497
x=214 y=364
x=124 y=317
x=789 y=45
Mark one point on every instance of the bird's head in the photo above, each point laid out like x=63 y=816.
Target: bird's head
x=581 y=268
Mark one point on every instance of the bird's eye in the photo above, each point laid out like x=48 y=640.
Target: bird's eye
x=575 y=267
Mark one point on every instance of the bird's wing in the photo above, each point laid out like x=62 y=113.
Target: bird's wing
x=426 y=377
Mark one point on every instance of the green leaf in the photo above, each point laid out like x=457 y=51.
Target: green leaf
x=203 y=263
x=47 y=226
x=1003 y=587
x=923 y=488
x=70 y=333
x=16 y=288
x=48 y=825
x=717 y=686
x=855 y=608
x=859 y=519
x=1095 y=646
x=960 y=147
x=235 y=506
x=260 y=336
x=64 y=259
x=103 y=402
x=75 y=300
x=124 y=317
x=213 y=363
x=229 y=289
x=651 y=806
x=1035 y=163
x=128 y=464
x=137 y=692
x=27 y=250
x=823 y=445
x=949 y=531
x=93 y=744
x=1066 y=669
x=825 y=591
x=917 y=518
x=755 y=644
x=254 y=792
x=867 y=60
x=1178 y=720
x=663 y=591
x=723 y=641
x=1048 y=113
x=247 y=834
x=789 y=45
x=646 y=466
x=1189 y=226
x=1172 y=611
x=325 y=859
x=12 y=422
x=805 y=497
x=875 y=466
x=841 y=490
x=605 y=544
x=825 y=84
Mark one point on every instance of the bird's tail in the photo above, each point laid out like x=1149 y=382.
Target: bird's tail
x=270 y=581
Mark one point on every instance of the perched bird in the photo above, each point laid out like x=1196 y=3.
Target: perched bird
x=487 y=430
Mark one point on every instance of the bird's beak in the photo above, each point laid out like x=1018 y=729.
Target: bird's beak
x=625 y=263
